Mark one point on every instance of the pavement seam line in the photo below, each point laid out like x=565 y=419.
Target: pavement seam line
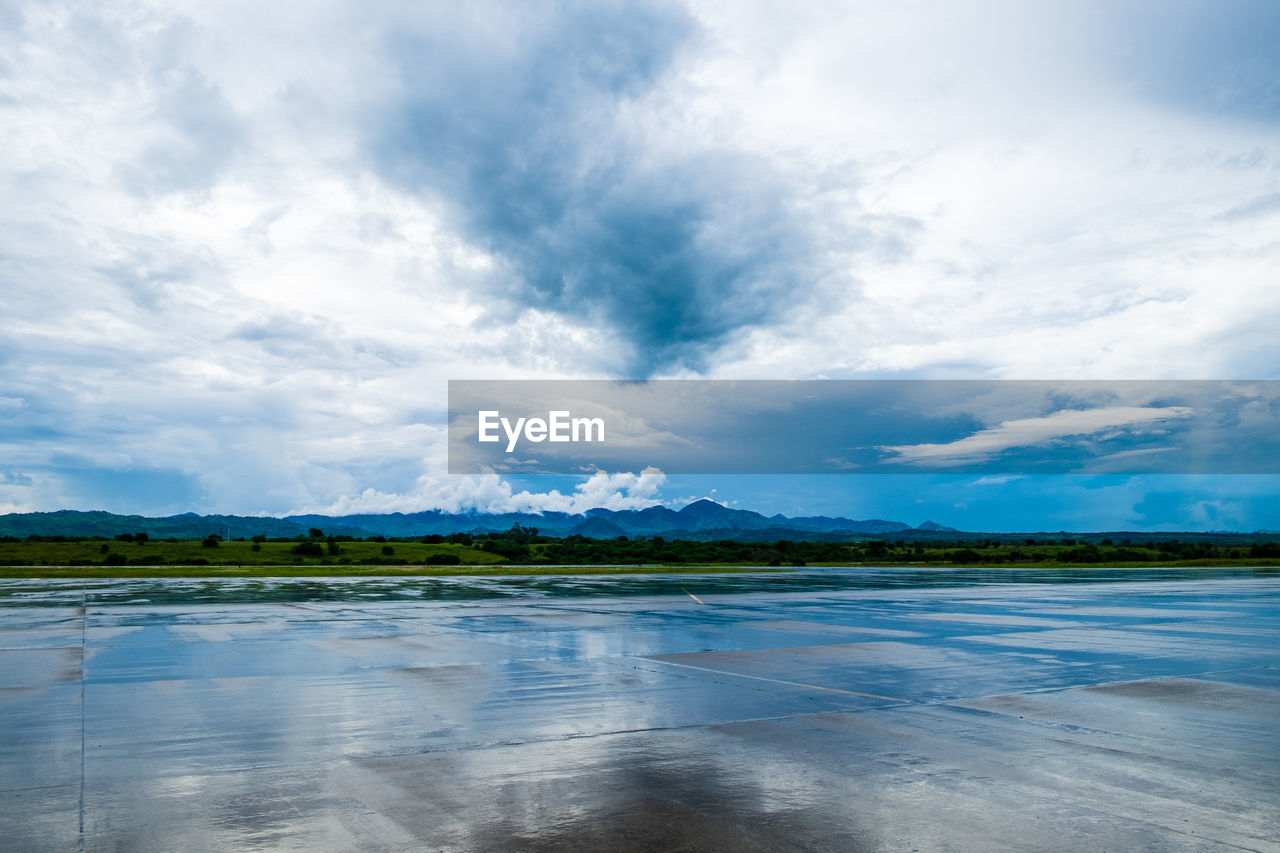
x=782 y=681
x=84 y=629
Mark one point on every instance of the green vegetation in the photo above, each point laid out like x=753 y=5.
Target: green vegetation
x=522 y=550
x=340 y=571
x=215 y=551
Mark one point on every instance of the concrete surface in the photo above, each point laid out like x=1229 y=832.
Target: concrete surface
x=833 y=710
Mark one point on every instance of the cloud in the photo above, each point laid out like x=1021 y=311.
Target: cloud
x=489 y=493
x=200 y=135
x=1194 y=510
x=1260 y=206
x=1031 y=432
x=558 y=144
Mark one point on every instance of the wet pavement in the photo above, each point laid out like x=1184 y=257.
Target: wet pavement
x=823 y=710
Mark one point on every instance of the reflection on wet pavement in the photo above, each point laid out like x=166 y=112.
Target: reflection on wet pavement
x=822 y=710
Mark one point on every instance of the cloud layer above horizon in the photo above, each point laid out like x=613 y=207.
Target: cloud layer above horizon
x=243 y=247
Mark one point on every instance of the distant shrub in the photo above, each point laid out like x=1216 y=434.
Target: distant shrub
x=443 y=560
x=387 y=550
x=1083 y=554
x=308 y=549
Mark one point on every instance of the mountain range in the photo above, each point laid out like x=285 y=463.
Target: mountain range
x=702 y=519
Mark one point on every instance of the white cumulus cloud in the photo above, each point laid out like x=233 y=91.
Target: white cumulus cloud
x=489 y=493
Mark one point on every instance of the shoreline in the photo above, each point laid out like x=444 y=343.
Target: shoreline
x=180 y=571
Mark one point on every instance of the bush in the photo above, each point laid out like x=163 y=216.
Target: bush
x=442 y=560
x=387 y=550
x=308 y=549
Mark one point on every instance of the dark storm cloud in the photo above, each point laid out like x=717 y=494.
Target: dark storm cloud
x=528 y=125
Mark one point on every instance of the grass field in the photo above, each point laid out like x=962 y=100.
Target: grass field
x=321 y=571
x=88 y=553
x=93 y=558
x=99 y=558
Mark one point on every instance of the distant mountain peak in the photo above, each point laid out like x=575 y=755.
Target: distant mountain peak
x=706 y=507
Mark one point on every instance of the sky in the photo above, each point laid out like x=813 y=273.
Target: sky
x=244 y=246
